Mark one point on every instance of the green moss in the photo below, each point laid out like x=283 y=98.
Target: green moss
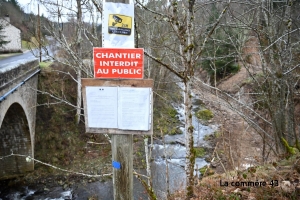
x=199 y=152
x=45 y=64
x=172 y=112
x=135 y=140
x=175 y=131
x=167 y=122
x=206 y=137
x=204 y=115
x=203 y=169
x=189 y=188
x=217 y=134
x=26 y=44
x=289 y=149
x=190 y=191
x=190 y=129
x=193 y=155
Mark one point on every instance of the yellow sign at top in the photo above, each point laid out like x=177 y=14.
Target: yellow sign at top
x=119 y=24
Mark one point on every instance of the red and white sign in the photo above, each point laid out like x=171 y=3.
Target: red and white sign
x=119 y=63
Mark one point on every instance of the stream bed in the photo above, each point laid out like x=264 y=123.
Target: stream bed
x=172 y=153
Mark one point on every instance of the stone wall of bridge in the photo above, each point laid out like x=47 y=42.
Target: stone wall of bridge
x=17 y=119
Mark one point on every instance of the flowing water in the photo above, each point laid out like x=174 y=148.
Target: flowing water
x=172 y=154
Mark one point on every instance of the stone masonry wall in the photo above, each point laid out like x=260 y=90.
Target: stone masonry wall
x=17 y=119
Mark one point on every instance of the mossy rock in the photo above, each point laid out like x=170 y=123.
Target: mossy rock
x=199 y=152
x=167 y=121
x=203 y=169
x=198 y=102
x=172 y=112
x=204 y=115
x=206 y=170
x=175 y=131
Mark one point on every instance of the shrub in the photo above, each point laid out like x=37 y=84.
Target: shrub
x=204 y=115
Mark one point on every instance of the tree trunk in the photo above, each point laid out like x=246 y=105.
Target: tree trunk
x=78 y=50
x=189 y=141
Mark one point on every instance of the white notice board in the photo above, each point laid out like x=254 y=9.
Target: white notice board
x=125 y=108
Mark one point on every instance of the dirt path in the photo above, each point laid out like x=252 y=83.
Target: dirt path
x=238 y=145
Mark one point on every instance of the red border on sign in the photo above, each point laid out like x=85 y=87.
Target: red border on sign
x=118 y=63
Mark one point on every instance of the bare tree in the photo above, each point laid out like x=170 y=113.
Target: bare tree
x=179 y=54
x=271 y=28
x=73 y=50
x=278 y=50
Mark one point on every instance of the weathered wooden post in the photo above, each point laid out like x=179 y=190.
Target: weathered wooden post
x=99 y=102
x=121 y=146
x=122 y=153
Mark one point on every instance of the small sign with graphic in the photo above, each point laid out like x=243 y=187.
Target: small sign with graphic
x=117 y=25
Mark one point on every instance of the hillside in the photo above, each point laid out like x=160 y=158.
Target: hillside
x=236 y=169
x=236 y=163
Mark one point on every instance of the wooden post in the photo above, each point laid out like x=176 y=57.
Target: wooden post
x=122 y=178
x=121 y=140
x=121 y=146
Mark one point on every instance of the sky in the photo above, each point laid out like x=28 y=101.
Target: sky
x=32 y=6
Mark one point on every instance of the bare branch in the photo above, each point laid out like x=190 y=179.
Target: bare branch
x=212 y=30
x=165 y=65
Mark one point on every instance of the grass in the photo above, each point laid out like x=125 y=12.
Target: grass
x=25 y=44
x=45 y=64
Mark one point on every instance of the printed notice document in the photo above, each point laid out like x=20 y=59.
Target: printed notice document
x=102 y=106
x=134 y=108
x=126 y=108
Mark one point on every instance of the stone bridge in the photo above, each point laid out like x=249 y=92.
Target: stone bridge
x=18 y=96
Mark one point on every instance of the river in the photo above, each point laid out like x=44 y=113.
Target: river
x=173 y=153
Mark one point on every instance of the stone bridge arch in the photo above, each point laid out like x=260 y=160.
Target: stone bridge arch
x=17 y=120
